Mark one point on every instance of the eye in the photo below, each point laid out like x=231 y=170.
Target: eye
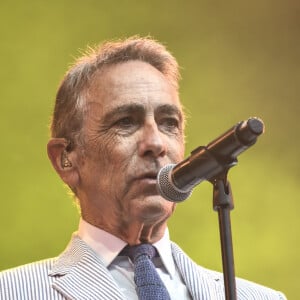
x=126 y=125
x=170 y=124
x=125 y=122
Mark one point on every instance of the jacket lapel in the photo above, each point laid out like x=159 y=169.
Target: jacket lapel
x=201 y=283
x=80 y=274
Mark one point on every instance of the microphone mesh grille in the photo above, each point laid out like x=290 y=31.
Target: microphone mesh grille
x=167 y=189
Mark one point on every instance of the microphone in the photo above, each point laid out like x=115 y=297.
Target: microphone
x=175 y=182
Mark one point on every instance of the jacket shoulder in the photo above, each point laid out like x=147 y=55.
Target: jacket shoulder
x=251 y=290
x=29 y=281
x=28 y=270
x=246 y=290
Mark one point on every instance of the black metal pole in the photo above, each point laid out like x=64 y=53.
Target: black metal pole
x=223 y=203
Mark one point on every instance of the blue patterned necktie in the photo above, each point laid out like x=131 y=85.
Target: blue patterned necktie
x=149 y=284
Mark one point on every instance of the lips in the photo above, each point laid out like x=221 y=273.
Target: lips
x=148 y=175
x=145 y=183
x=147 y=178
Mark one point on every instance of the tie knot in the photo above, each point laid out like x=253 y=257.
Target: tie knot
x=143 y=249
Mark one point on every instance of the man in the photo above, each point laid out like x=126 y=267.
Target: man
x=117 y=121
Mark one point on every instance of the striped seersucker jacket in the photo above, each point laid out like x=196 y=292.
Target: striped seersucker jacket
x=78 y=273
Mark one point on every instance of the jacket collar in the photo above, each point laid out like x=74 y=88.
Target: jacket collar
x=201 y=283
x=80 y=274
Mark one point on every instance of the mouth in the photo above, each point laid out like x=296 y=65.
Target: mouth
x=145 y=182
x=149 y=176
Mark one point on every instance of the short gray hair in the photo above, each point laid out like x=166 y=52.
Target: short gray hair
x=70 y=101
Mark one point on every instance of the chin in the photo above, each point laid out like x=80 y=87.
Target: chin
x=155 y=208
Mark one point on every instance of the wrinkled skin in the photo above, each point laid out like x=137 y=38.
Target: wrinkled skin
x=133 y=126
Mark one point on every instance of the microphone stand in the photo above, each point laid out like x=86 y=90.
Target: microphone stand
x=223 y=203
x=212 y=162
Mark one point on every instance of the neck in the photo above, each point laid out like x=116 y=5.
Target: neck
x=133 y=233
x=137 y=233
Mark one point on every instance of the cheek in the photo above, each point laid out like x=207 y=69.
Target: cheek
x=176 y=150
x=114 y=154
x=99 y=147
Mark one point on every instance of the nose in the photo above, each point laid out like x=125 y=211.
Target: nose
x=152 y=142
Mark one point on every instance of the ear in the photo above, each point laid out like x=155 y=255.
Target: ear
x=64 y=162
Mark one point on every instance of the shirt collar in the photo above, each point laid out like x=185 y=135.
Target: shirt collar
x=163 y=247
x=108 y=246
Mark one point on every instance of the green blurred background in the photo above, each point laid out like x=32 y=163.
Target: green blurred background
x=238 y=59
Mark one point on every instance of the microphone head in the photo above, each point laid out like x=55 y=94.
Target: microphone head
x=166 y=187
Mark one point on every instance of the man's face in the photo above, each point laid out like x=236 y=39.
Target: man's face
x=133 y=127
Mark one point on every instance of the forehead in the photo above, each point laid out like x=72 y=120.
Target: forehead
x=131 y=82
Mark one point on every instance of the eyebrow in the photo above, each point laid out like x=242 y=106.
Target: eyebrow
x=124 y=109
x=167 y=109
x=170 y=110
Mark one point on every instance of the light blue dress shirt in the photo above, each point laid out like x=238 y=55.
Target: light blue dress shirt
x=108 y=246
